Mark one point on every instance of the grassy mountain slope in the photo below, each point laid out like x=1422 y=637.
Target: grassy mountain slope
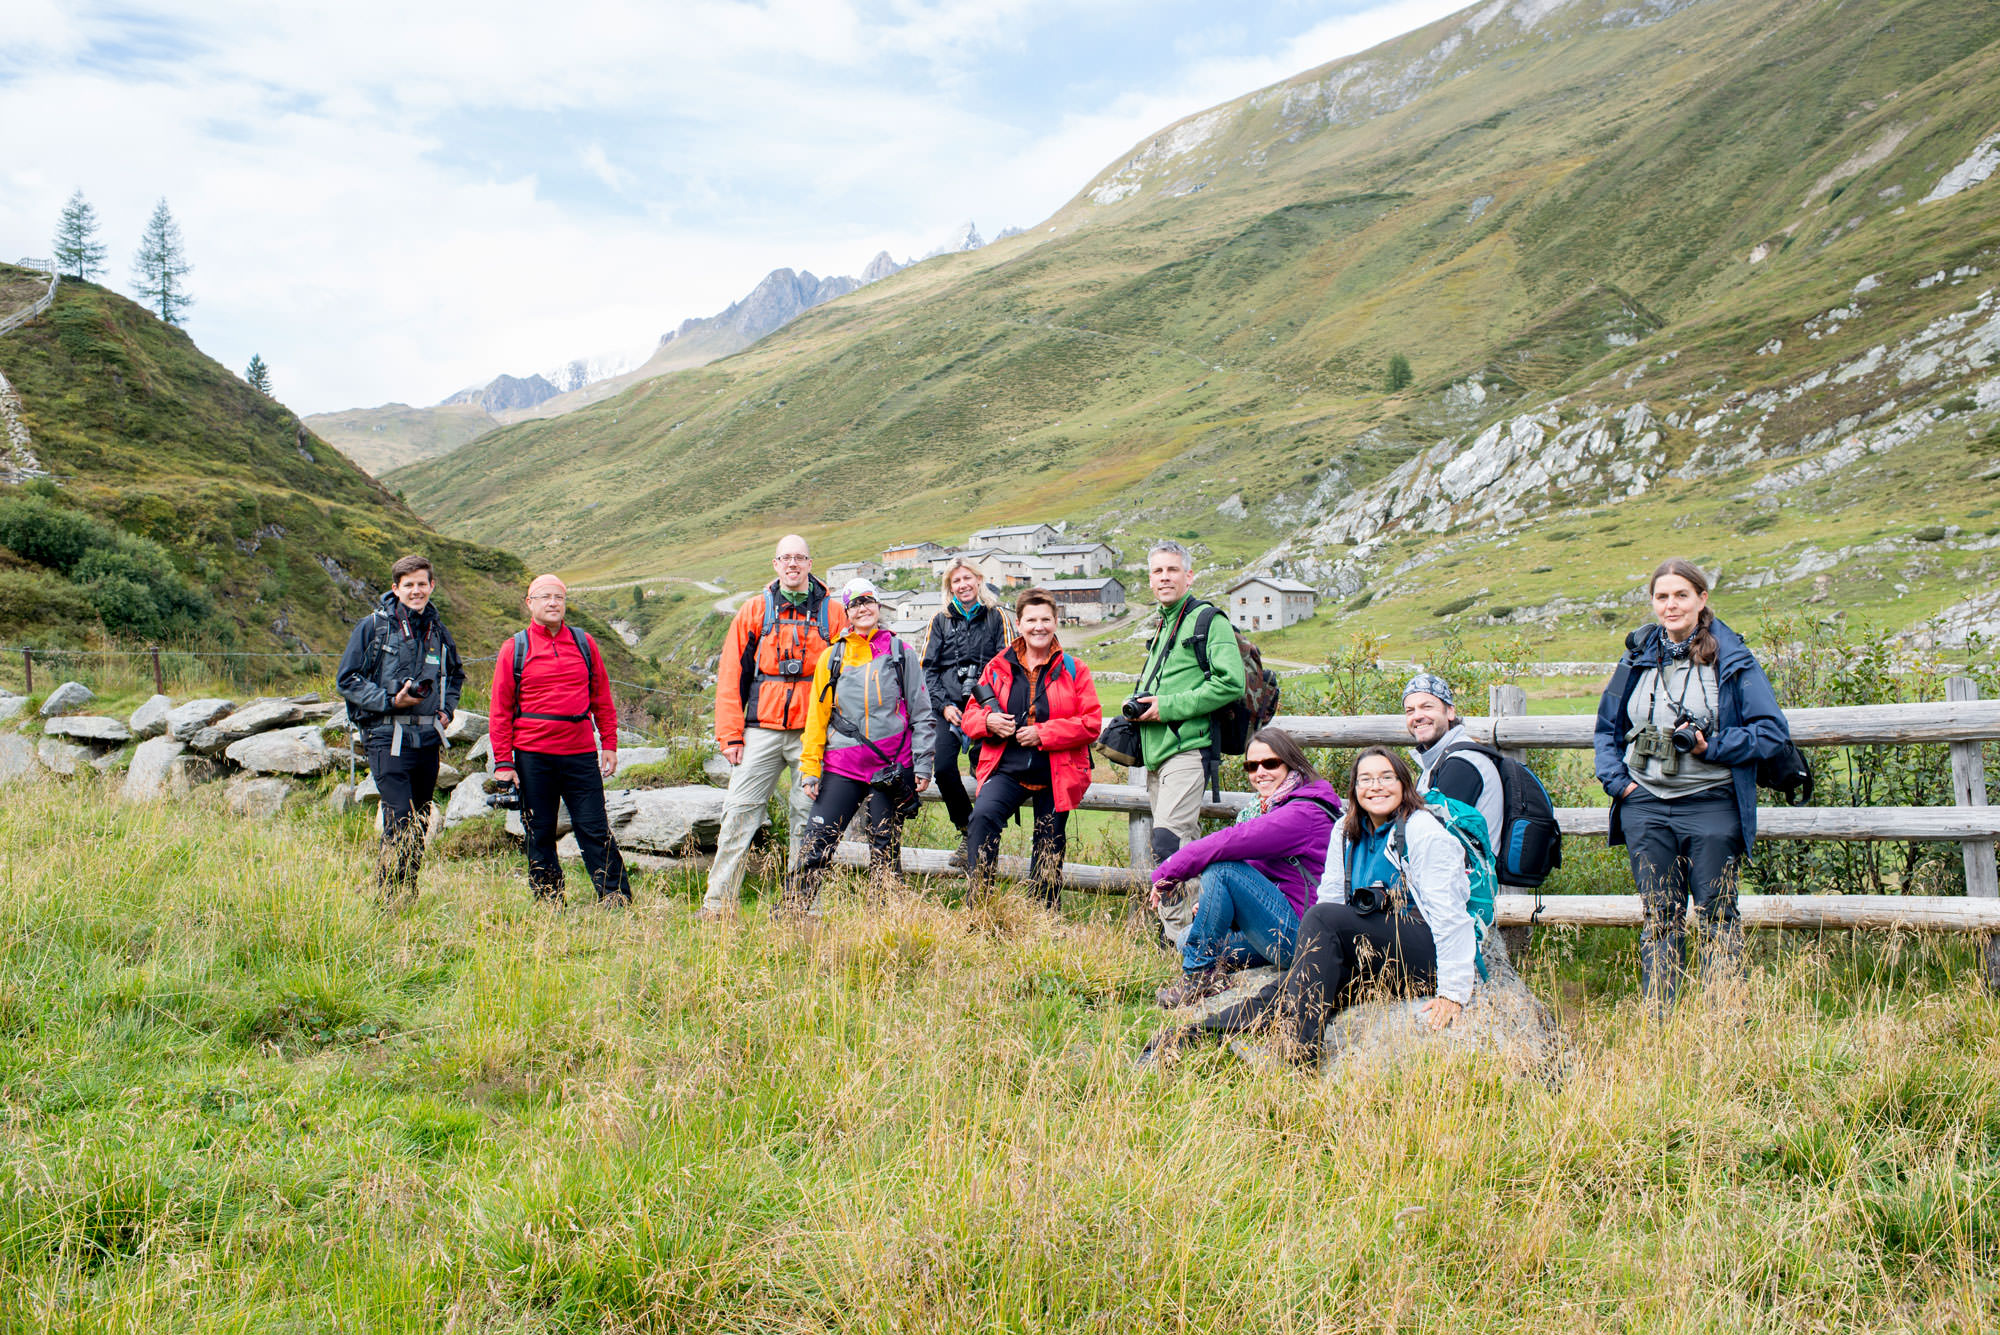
x=1559 y=201
x=286 y=540
x=396 y=434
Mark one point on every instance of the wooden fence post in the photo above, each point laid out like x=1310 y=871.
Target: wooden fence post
x=1509 y=702
x=28 y=670
x=1139 y=828
x=159 y=678
x=1968 y=786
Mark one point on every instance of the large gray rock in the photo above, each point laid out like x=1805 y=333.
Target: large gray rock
x=449 y=777
x=104 y=762
x=60 y=757
x=92 y=728
x=717 y=770
x=255 y=717
x=150 y=719
x=286 y=751
x=1503 y=1018
x=468 y=802
x=17 y=757
x=11 y=705
x=184 y=721
x=66 y=698
x=466 y=726
x=152 y=762
x=641 y=755
x=366 y=793
x=320 y=711
x=255 y=798
x=481 y=753
x=187 y=773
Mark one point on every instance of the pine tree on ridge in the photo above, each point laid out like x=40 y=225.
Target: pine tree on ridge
x=161 y=264
x=78 y=252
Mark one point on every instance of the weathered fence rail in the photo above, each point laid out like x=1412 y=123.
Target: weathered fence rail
x=1963 y=721
x=15 y=319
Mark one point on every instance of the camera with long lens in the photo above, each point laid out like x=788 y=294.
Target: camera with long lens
x=1136 y=707
x=968 y=674
x=421 y=689
x=1369 y=900
x=985 y=696
x=504 y=797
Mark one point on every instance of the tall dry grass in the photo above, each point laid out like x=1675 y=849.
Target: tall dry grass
x=234 y=1096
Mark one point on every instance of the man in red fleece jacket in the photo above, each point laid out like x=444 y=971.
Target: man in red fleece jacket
x=559 y=739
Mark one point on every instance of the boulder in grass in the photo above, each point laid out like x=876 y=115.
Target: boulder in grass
x=466 y=726
x=105 y=762
x=60 y=757
x=449 y=777
x=92 y=728
x=341 y=800
x=67 y=699
x=665 y=820
x=17 y=757
x=187 y=773
x=11 y=705
x=184 y=721
x=481 y=753
x=468 y=802
x=366 y=793
x=256 y=798
x=717 y=770
x=255 y=717
x=150 y=719
x=641 y=755
x=286 y=751
x=152 y=762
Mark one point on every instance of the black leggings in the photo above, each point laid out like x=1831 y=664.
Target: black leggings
x=1340 y=953
x=951 y=789
x=999 y=798
x=407 y=783
x=839 y=798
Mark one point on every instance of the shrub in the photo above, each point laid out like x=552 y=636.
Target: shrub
x=1501 y=612
x=1366 y=597
x=1757 y=523
x=1398 y=375
x=127 y=581
x=1929 y=533
x=1454 y=607
x=34 y=598
x=1958 y=403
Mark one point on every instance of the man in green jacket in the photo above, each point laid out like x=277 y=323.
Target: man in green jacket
x=1175 y=730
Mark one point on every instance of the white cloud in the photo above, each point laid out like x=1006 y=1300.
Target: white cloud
x=392 y=201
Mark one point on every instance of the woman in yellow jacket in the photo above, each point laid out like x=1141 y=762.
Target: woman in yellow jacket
x=868 y=738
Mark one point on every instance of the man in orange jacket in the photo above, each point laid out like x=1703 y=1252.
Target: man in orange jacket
x=763 y=686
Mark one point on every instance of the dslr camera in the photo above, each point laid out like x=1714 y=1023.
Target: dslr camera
x=1135 y=707
x=1685 y=727
x=1369 y=900
x=421 y=689
x=504 y=797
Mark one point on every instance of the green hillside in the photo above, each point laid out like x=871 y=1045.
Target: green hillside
x=181 y=506
x=1576 y=207
x=396 y=434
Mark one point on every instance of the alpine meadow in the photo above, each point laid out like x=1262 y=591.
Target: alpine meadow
x=1454 y=339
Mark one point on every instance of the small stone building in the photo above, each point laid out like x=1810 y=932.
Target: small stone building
x=1265 y=602
x=1087 y=601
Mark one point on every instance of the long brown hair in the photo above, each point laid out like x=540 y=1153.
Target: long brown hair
x=1355 y=826
x=1284 y=748
x=1702 y=648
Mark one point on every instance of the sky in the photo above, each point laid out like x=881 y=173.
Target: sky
x=390 y=202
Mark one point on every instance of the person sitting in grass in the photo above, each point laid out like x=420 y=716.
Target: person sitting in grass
x=1258 y=876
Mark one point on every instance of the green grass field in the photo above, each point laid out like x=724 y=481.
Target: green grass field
x=237 y=1097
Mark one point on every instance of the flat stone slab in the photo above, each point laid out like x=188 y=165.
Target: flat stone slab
x=466 y=726
x=256 y=798
x=89 y=728
x=287 y=751
x=184 y=721
x=468 y=802
x=67 y=699
x=152 y=762
x=10 y=705
x=257 y=716
x=17 y=757
x=150 y=719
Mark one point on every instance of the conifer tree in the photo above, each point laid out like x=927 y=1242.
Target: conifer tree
x=258 y=375
x=1398 y=376
x=79 y=254
x=161 y=264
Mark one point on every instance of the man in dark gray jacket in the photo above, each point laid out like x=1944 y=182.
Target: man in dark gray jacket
x=401 y=679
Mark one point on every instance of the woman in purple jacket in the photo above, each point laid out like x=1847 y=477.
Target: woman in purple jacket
x=1259 y=876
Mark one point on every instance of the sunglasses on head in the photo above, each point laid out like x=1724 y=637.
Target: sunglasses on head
x=1252 y=766
x=861 y=600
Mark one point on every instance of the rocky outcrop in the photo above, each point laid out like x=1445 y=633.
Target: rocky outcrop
x=91 y=728
x=506 y=393
x=286 y=751
x=879 y=268
x=66 y=699
x=150 y=719
x=184 y=721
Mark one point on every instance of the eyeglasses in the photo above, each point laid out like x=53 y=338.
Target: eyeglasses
x=1376 y=781
x=1252 y=766
x=794 y=560
x=548 y=598
x=862 y=601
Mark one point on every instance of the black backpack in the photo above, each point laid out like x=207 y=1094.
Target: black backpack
x=1788 y=774
x=1233 y=725
x=1529 y=843
x=583 y=647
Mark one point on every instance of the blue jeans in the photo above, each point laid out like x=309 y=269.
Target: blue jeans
x=1241 y=917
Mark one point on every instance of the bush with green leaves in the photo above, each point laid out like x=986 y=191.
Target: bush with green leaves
x=127 y=582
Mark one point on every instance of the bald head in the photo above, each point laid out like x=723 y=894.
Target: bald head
x=793 y=562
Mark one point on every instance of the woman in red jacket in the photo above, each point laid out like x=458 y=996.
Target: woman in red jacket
x=1041 y=706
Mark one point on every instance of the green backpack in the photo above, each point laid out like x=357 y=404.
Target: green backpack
x=1469 y=828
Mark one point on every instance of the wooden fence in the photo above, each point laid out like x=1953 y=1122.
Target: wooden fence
x=1962 y=721
x=15 y=319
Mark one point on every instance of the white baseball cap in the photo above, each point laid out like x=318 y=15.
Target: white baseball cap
x=859 y=587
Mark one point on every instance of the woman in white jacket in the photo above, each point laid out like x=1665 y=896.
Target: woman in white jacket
x=1392 y=909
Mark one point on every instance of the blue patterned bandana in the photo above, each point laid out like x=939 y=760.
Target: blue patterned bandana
x=1677 y=650
x=1428 y=683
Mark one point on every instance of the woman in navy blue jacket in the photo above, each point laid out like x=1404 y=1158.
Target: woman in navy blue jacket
x=1681 y=727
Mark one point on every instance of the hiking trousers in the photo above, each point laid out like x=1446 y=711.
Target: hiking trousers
x=999 y=798
x=1241 y=919
x=1174 y=792
x=951 y=788
x=839 y=798
x=768 y=755
x=407 y=783
x=549 y=783
x=1340 y=953
x=1687 y=847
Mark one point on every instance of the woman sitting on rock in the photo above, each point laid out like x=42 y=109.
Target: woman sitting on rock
x=1392 y=911
x=1258 y=876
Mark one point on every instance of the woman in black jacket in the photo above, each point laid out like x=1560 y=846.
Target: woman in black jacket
x=1680 y=729
x=962 y=639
